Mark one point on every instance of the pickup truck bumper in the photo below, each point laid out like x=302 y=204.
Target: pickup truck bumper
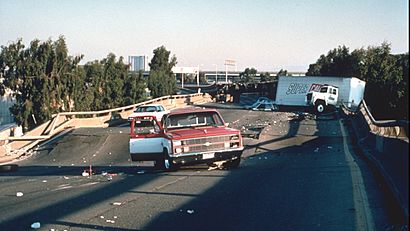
x=206 y=157
x=189 y=159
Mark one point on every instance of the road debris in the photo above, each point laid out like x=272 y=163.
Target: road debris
x=85 y=173
x=190 y=211
x=217 y=165
x=36 y=225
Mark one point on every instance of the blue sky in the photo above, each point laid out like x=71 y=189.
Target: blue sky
x=267 y=35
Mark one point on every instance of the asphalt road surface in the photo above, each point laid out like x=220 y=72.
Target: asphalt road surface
x=302 y=174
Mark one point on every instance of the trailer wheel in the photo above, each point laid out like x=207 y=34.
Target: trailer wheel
x=320 y=106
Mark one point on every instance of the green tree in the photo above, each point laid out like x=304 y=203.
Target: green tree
x=248 y=75
x=37 y=78
x=386 y=81
x=161 y=80
x=134 y=88
x=266 y=77
x=282 y=73
x=337 y=62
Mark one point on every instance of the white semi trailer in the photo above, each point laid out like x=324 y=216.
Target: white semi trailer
x=292 y=90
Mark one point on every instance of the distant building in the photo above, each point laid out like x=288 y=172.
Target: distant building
x=138 y=63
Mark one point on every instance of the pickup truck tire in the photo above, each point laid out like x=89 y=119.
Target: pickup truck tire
x=165 y=163
x=320 y=106
x=233 y=164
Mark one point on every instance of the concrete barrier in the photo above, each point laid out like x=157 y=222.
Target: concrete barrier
x=386 y=145
x=12 y=147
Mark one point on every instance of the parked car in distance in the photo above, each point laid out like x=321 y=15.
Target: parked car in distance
x=156 y=110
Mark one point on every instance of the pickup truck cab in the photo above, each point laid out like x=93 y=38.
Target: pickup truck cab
x=156 y=110
x=185 y=137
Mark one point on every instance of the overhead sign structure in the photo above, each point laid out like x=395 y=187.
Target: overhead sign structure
x=185 y=70
x=229 y=62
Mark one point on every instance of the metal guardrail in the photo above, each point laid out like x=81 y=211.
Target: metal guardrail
x=386 y=128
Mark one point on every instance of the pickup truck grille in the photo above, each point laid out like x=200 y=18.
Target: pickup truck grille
x=209 y=144
x=204 y=140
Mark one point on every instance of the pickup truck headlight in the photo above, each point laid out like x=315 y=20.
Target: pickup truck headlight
x=178 y=147
x=177 y=143
x=234 y=141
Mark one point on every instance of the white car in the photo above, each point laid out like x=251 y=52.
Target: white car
x=156 y=110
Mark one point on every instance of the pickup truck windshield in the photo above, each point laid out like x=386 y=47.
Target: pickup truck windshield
x=193 y=120
x=145 y=126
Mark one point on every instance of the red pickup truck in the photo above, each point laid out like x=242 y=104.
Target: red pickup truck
x=185 y=137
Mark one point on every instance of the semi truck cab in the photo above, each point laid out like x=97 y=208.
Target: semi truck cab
x=326 y=95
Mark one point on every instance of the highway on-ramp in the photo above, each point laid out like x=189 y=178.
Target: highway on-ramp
x=301 y=174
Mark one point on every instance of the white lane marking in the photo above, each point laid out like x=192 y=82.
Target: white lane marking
x=364 y=218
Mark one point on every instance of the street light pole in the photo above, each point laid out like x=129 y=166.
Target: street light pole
x=216 y=73
x=197 y=77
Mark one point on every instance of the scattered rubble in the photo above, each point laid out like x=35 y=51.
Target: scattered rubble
x=190 y=211
x=217 y=165
x=36 y=225
x=85 y=173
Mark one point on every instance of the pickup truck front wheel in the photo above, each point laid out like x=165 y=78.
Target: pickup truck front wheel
x=165 y=163
x=233 y=164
